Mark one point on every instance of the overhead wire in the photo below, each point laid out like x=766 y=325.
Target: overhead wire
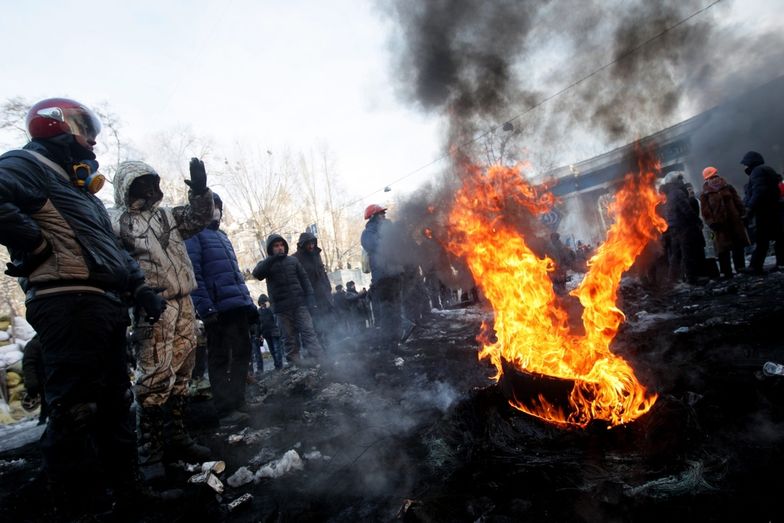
x=629 y=52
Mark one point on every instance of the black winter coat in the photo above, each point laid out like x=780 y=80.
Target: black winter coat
x=678 y=211
x=762 y=199
x=314 y=267
x=288 y=285
x=39 y=201
x=268 y=328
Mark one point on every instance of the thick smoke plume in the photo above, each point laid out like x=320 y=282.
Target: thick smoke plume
x=481 y=63
x=564 y=80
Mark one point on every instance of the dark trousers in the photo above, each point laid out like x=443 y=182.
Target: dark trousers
x=738 y=259
x=686 y=254
x=762 y=242
x=296 y=325
x=387 y=295
x=228 y=357
x=89 y=437
x=276 y=349
x=255 y=350
x=200 y=365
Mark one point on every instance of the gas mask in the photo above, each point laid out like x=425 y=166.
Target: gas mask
x=86 y=176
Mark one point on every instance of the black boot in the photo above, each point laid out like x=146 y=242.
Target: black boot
x=178 y=443
x=150 y=445
x=138 y=498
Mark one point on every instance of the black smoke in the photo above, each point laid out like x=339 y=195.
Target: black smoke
x=626 y=68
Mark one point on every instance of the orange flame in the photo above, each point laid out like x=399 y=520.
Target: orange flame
x=532 y=331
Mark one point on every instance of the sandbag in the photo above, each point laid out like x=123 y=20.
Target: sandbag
x=22 y=329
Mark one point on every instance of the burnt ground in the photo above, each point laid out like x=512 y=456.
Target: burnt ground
x=425 y=436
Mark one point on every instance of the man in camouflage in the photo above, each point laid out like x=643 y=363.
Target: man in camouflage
x=155 y=237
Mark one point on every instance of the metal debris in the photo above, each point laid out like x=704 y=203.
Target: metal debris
x=208 y=478
x=239 y=502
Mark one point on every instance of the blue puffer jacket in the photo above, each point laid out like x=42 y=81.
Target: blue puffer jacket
x=221 y=287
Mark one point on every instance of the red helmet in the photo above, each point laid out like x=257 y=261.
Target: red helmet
x=372 y=210
x=55 y=116
x=709 y=172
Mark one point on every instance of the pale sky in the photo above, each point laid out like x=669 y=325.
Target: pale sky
x=279 y=74
x=282 y=74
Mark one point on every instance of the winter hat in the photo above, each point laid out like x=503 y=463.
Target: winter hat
x=126 y=173
x=217 y=200
x=709 y=172
x=263 y=299
x=752 y=158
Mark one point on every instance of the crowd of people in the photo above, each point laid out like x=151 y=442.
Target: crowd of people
x=158 y=279
x=83 y=269
x=733 y=224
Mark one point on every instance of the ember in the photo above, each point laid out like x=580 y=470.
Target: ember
x=531 y=328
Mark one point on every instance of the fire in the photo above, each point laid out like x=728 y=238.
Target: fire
x=531 y=329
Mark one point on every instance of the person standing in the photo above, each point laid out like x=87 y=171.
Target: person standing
x=309 y=256
x=723 y=211
x=386 y=277
x=270 y=331
x=762 y=206
x=684 y=231
x=292 y=295
x=356 y=308
x=77 y=278
x=224 y=304
x=154 y=236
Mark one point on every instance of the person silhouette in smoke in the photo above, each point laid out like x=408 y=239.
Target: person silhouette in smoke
x=385 y=287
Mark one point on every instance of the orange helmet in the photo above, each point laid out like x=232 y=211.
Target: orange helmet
x=372 y=210
x=709 y=172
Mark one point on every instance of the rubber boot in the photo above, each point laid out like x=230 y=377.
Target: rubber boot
x=178 y=443
x=150 y=445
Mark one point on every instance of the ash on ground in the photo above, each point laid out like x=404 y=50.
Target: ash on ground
x=425 y=435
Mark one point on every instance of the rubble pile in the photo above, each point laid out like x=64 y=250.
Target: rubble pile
x=364 y=437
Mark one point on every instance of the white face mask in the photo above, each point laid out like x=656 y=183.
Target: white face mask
x=216 y=214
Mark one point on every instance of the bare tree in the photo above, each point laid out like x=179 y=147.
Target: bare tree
x=262 y=188
x=12 y=118
x=327 y=207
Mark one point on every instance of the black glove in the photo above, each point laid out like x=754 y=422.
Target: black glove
x=198 y=181
x=715 y=227
x=210 y=320
x=152 y=303
x=30 y=262
x=30 y=401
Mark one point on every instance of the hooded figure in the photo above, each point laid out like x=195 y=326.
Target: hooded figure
x=291 y=294
x=154 y=236
x=684 y=231
x=309 y=255
x=762 y=205
x=723 y=211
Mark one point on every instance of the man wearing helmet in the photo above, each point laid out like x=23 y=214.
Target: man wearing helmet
x=76 y=277
x=385 y=288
